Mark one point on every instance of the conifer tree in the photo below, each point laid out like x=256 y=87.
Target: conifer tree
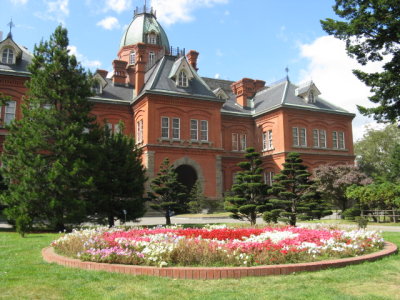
x=292 y=189
x=119 y=178
x=45 y=162
x=168 y=193
x=247 y=199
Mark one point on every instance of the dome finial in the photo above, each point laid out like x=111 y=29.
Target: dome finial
x=11 y=24
x=287 y=73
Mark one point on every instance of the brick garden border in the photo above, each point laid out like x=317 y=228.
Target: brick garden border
x=215 y=273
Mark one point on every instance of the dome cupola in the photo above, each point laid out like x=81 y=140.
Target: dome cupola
x=145 y=28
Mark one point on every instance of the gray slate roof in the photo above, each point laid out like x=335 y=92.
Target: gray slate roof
x=157 y=81
x=115 y=93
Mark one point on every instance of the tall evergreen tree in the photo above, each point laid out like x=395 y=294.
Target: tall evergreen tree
x=247 y=199
x=168 y=193
x=370 y=29
x=119 y=178
x=45 y=163
x=292 y=188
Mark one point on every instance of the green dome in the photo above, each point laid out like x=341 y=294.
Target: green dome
x=141 y=25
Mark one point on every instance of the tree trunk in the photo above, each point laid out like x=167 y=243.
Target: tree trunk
x=111 y=221
x=253 y=219
x=167 y=218
x=60 y=227
x=343 y=207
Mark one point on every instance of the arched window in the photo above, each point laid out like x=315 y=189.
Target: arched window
x=182 y=79
x=132 y=58
x=8 y=56
x=311 y=97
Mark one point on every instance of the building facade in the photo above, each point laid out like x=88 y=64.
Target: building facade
x=202 y=125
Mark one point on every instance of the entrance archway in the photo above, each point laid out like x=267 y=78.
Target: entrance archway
x=187 y=175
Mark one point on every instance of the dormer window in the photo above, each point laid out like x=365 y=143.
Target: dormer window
x=311 y=97
x=152 y=38
x=132 y=58
x=96 y=88
x=182 y=79
x=7 y=56
x=152 y=58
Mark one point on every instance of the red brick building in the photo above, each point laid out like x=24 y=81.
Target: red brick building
x=202 y=125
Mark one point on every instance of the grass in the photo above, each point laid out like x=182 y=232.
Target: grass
x=24 y=275
x=213 y=215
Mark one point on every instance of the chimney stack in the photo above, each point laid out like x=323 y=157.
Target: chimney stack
x=140 y=66
x=119 y=72
x=246 y=88
x=192 y=58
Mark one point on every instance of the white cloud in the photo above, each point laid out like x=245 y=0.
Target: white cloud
x=109 y=23
x=331 y=69
x=55 y=11
x=118 y=5
x=217 y=76
x=91 y=64
x=173 y=11
x=19 y=2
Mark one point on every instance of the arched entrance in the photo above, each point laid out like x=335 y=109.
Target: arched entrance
x=187 y=175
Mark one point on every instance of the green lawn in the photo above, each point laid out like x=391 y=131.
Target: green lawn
x=24 y=275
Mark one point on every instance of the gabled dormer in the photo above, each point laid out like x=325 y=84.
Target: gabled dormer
x=10 y=52
x=99 y=83
x=220 y=94
x=308 y=91
x=181 y=72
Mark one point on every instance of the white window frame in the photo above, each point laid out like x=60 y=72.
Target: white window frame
x=303 y=137
x=9 y=112
x=319 y=138
x=176 y=128
x=243 y=142
x=235 y=142
x=152 y=38
x=164 y=128
x=183 y=79
x=338 y=140
x=194 y=127
x=204 y=130
x=139 y=131
x=295 y=136
x=152 y=57
x=7 y=56
x=132 y=58
x=299 y=136
x=267 y=140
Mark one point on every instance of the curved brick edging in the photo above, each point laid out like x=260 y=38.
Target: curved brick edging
x=215 y=273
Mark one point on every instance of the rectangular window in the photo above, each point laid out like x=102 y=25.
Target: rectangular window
x=322 y=138
x=132 y=58
x=165 y=127
x=152 y=58
x=176 y=128
x=319 y=138
x=338 y=140
x=267 y=140
x=303 y=137
x=139 y=131
x=341 y=140
x=235 y=142
x=194 y=130
x=269 y=178
x=204 y=130
x=295 y=133
x=10 y=112
x=243 y=142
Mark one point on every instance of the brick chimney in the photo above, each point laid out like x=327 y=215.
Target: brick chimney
x=102 y=73
x=246 y=88
x=192 y=58
x=119 y=76
x=140 y=65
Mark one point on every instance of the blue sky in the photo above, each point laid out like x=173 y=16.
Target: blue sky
x=256 y=39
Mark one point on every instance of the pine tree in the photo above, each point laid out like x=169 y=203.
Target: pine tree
x=292 y=189
x=168 y=193
x=119 y=178
x=45 y=161
x=247 y=199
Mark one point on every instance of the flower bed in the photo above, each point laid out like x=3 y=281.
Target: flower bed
x=215 y=246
